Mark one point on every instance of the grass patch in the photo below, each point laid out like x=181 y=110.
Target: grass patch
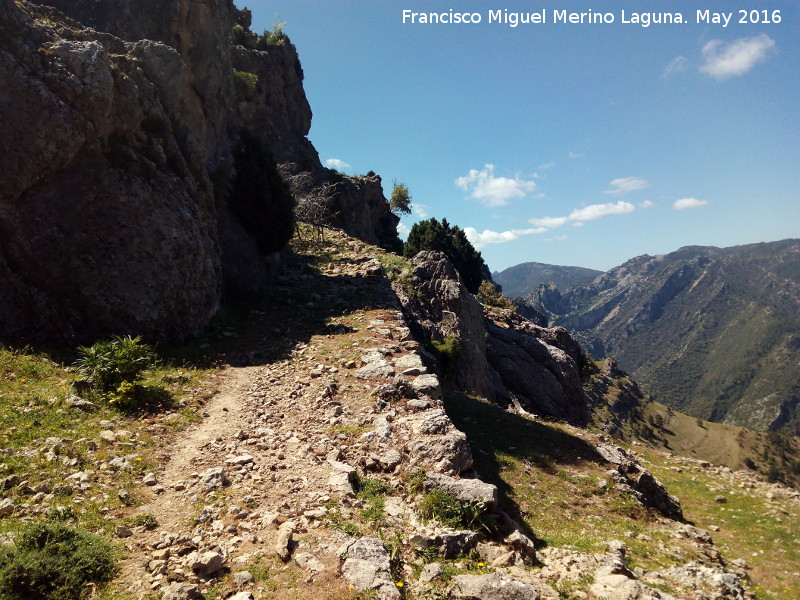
x=455 y=513
x=447 y=355
x=372 y=491
x=44 y=440
x=336 y=520
x=146 y=520
x=763 y=531
x=551 y=481
x=396 y=267
x=350 y=430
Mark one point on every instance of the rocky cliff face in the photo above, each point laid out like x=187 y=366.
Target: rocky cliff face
x=121 y=131
x=107 y=208
x=501 y=356
x=279 y=111
x=712 y=332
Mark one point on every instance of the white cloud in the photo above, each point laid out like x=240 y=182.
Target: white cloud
x=624 y=185
x=419 y=209
x=678 y=64
x=574 y=155
x=647 y=204
x=480 y=239
x=549 y=222
x=724 y=60
x=493 y=191
x=336 y=163
x=587 y=213
x=546 y=166
x=685 y=203
x=598 y=211
x=402 y=230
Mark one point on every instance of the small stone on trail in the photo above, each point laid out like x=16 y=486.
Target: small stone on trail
x=122 y=532
x=181 y=591
x=243 y=578
x=283 y=545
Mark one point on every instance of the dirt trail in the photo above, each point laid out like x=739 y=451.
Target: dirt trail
x=273 y=429
x=223 y=415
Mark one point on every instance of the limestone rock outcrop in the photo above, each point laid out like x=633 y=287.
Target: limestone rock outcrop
x=123 y=147
x=367 y=566
x=649 y=490
x=107 y=215
x=492 y=586
x=502 y=357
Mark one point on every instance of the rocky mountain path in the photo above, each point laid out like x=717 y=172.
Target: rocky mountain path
x=223 y=416
x=276 y=441
x=325 y=391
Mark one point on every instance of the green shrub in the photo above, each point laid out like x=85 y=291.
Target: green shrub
x=271 y=38
x=432 y=234
x=400 y=200
x=274 y=37
x=245 y=84
x=52 y=561
x=110 y=363
x=488 y=294
x=125 y=396
x=241 y=36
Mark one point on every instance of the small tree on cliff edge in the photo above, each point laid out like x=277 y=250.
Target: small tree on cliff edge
x=400 y=200
x=450 y=239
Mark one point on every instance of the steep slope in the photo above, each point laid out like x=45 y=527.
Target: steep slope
x=520 y=280
x=711 y=332
x=326 y=466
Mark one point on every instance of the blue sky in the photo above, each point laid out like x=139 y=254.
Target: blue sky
x=565 y=143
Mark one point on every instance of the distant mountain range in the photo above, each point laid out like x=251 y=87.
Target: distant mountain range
x=712 y=332
x=520 y=280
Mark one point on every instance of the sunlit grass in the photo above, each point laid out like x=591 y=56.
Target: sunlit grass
x=764 y=532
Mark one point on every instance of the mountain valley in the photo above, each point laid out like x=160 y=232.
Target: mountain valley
x=712 y=332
